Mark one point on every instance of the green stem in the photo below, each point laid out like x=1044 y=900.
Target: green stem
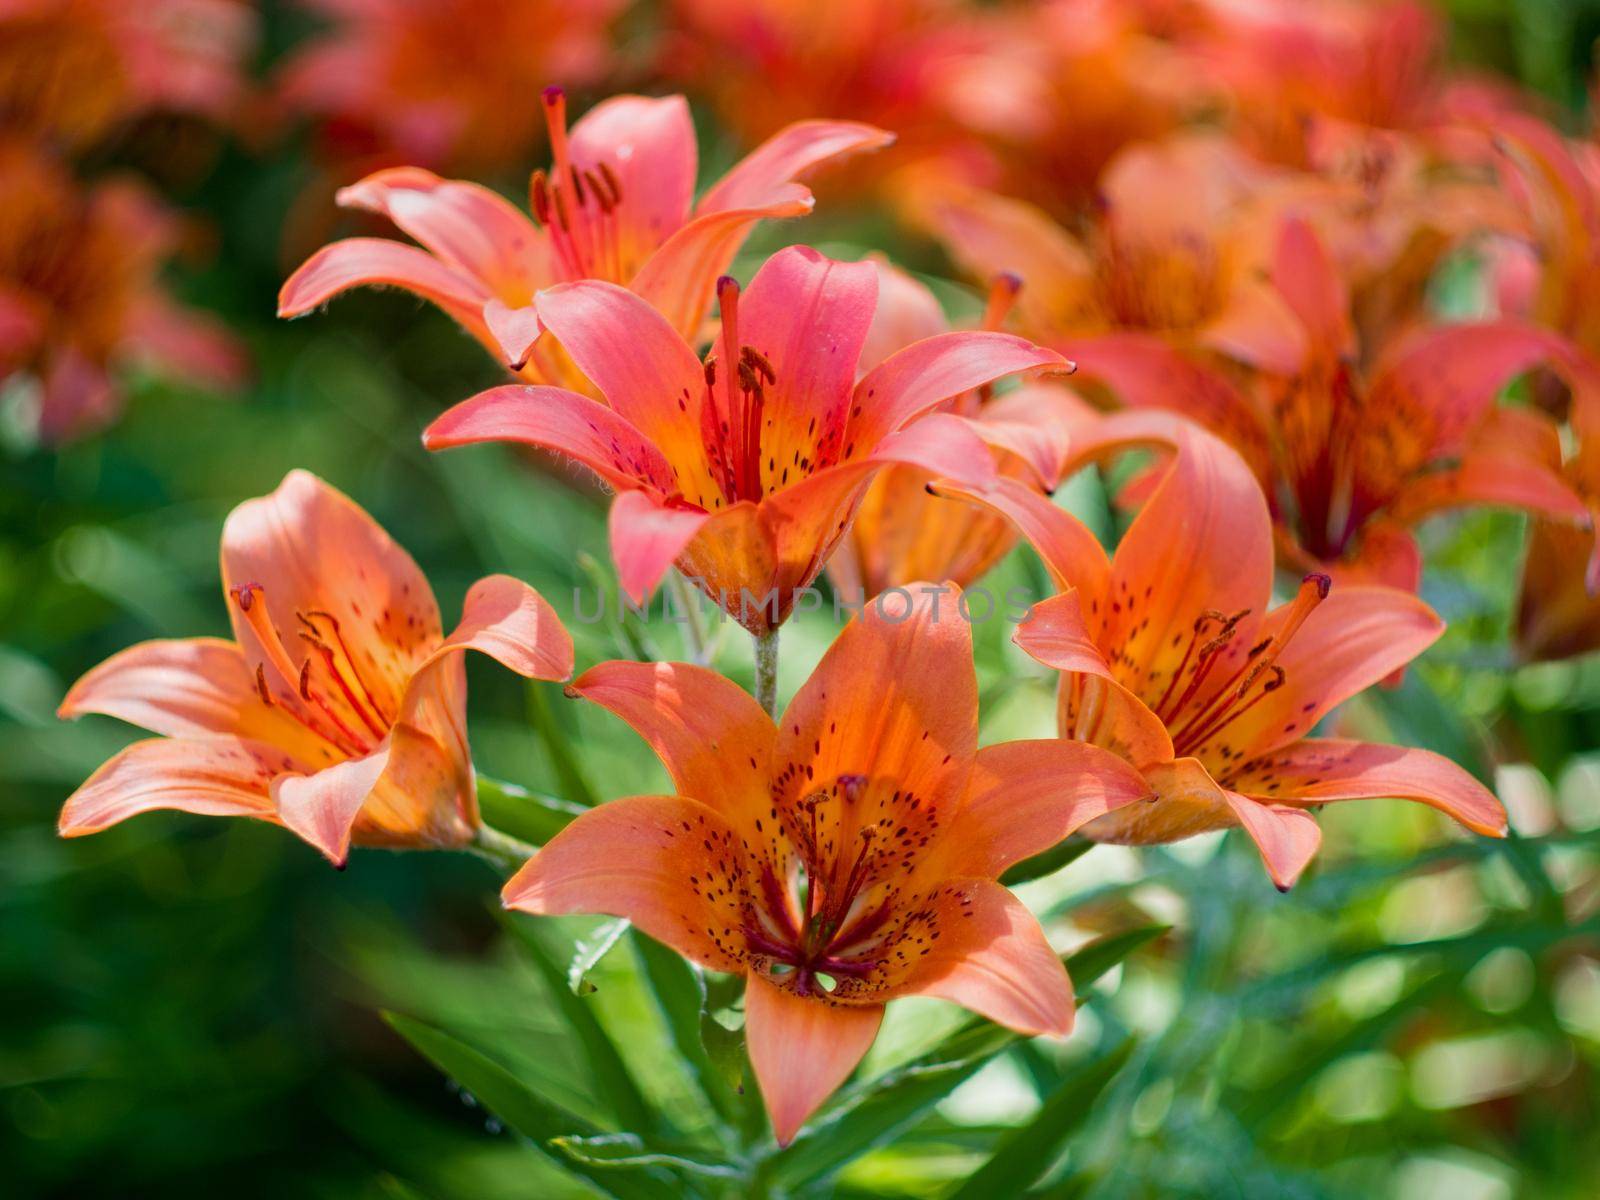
x=501 y=849
x=683 y=598
x=767 y=671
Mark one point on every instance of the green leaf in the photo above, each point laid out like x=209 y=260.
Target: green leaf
x=1048 y=863
x=587 y=953
x=612 y=1079
x=518 y=1105
x=558 y=739
x=1094 y=960
x=523 y=814
x=627 y=1151
x=1023 y=1154
x=680 y=993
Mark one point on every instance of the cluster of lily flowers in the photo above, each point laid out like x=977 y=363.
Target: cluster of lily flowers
x=1245 y=309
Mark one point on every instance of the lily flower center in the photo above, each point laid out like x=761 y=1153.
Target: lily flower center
x=834 y=918
x=578 y=206
x=1163 y=284
x=1196 y=715
x=735 y=413
x=328 y=693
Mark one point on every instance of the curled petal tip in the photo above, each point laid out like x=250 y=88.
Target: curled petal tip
x=572 y=692
x=1283 y=888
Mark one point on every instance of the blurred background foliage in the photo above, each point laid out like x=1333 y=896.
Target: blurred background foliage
x=190 y=1007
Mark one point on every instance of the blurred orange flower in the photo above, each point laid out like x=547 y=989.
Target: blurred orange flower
x=746 y=468
x=72 y=69
x=1171 y=657
x=338 y=710
x=450 y=84
x=843 y=858
x=81 y=299
x=616 y=205
x=901 y=532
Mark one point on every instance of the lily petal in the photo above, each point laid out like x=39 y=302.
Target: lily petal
x=912 y=381
x=219 y=776
x=904 y=669
x=646 y=538
x=559 y=420
x=515 y=330
x=379 y=262
x=649 y=146
x=1067 y=547
x=802 y=1049
x=322 y=807
x=514 y=625
x=642 y=858
x=1287 y=838
x=1025 y=797
x=787 y=155
x=472 y=230
x=1317 y=770
x=993 y=960
x=712 y=736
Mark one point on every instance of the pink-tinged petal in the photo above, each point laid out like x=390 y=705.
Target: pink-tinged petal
x=1356 y=637
x=802 y=1048
x=1493 y=477
x=912 y=381
x=308 y=552
x=988 y=234
x=642 y=858
x=79 y=397
x=712 y=736
x=680 y=277
x=1317 y=770
x=210 y=776
x=1258 y=329
x=559 y=420
x=1428 y=396
x=1287 y=838
x=190 y=346
x=425 y=798
x=649 y=146
x=1067 y=547
x=787 y=155
x=514 y=330
x=646 y=538
x=1144 y=372
x=643 y=368
x=1094 y=706
x=992 y=958
x=179 y=688
x=1025 y=797
x=894 y=702
x=808 y=316
x=907 y=312
x=1387 y=555
x=514 y=625
x=322 y=807
x=378 y=262
x=1304 y=274
x=1035 y=422
x=470 y=229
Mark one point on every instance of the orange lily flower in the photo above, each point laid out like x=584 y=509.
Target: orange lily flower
x=1171 y=657
x=71 y=70
x=902 y=532
x=444 y=83
x=842 y=858
x=338 y=710
x=744 y=469
x=81 y=297
x=616 y=206
x=1558 y=612
x=1172 y=257
x=1064 y=86
x=766 y=64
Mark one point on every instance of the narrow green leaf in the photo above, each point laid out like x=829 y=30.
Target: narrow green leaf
x=627 y=1151
x=1048 y=863
x=1098 y=957
x=1023 y=1154
x=523 y=814
x=612 y=1078
x=680 y=993
x=587 y=953
x=519 y=1106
